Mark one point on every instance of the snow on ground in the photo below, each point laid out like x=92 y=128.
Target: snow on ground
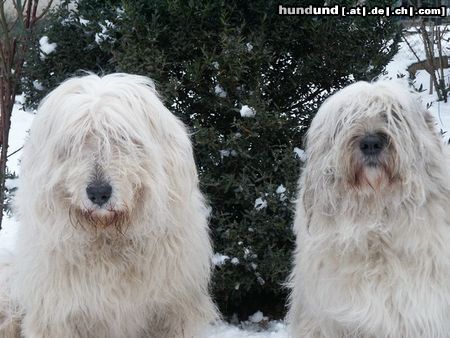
x=405 y=57
x=439 y=109
x=273 y=329
x=257 y=326
x=20 y=124
x=8 y=233
x=398 y=67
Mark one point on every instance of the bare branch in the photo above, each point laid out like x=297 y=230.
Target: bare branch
x=34 y=12
x=444 y=30
x=15 y=151
x=19 y=8
x=4 y=23
x=410 y=47
x=27 y=19
x=45 y=10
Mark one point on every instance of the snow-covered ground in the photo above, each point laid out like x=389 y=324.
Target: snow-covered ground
x=20 y=124
x=398 y=67
x=249 y=329
x=257 y=326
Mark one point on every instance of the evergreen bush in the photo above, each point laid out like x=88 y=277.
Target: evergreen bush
x=82 y=44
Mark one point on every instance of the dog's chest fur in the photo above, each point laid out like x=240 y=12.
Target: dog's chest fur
x=389 y=271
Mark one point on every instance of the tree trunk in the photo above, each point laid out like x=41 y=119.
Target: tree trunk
x=7 y=97
x=429 y=52
x=15 y=36
x=6 y=110
x=441 y=64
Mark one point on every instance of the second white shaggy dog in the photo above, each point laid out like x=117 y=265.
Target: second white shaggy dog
x=372 y=220
x=113 y=238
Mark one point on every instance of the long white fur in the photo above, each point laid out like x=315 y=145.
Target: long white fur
x=372 y=258
x=10 y=313
x=151 y=278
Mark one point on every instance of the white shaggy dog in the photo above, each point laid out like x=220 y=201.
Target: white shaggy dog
x=113 y=240
x=372 y=220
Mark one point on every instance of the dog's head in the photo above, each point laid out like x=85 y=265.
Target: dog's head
x=368 y=153
x=371 y=139
x=105 y=153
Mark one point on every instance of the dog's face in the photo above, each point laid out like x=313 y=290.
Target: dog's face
x=368 y=152
x=370 y=138
x=107 y=169
x=109 y=179
x=106 y=154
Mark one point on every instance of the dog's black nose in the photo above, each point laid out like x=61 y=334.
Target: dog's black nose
x=99 y=193
x=372 y=144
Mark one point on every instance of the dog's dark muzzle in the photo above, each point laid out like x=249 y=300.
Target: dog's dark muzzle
x=371 y=145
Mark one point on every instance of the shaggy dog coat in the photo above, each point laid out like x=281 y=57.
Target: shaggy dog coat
x=372 y=220
x=113 y=238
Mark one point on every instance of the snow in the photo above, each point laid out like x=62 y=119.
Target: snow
x=219 y=91
x=281 y=189
x=84 y=22
x=20 y=124
x=257 y=317
x=398 y=68
x=260 y=280
x=38 y=86
x=405 y=57
x=11 y=183
x=300 y=153
x=8 y=233
x=46 y=47
x=219 y=259
x=223 y=330
x=260 y=203
x=258 y=325
x=104 y=35
x=224 y=153
x=440 y=110
x=235 y=261
x=247 y=111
